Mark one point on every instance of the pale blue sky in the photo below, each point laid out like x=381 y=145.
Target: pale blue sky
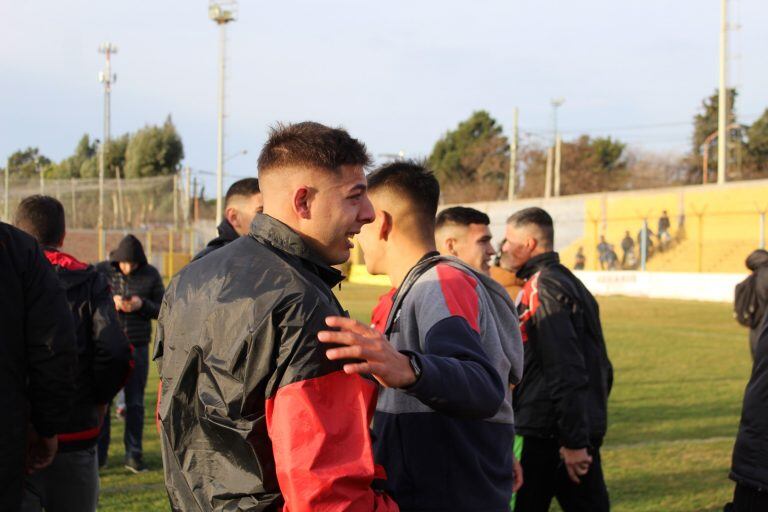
x=397 y=74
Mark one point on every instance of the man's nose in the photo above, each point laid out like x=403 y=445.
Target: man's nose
x=366 y=213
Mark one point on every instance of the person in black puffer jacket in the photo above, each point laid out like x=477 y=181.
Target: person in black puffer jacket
x=104 y=362
x=37 y=360
x=749 y=467
x=137 y=290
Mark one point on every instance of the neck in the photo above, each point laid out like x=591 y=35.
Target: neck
x=404 y=258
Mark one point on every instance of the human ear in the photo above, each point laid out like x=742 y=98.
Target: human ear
x=301 y=202
x=230 y=213
x=386 y=225
x=450 y=245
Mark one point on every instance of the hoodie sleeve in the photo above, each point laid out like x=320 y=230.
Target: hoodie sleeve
x=112 y=352
x=318 y=420
x=150 y=307
x=50 y=345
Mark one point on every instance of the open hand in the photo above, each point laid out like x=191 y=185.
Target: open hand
x=40 y=451
x=388 y=366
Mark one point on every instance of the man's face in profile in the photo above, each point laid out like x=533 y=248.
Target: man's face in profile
x=339 y=206
x=474 y=248
x=241 y=211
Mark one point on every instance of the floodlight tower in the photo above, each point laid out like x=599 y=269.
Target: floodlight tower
x=107 y=78
x=221 y=12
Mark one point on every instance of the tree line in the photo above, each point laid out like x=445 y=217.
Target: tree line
x=150 y=151
x=472 y=160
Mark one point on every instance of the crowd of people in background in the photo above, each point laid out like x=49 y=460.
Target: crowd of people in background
x=480 y=383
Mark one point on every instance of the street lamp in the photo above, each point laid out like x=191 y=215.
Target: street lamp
x=221 y=12
x=107 y=78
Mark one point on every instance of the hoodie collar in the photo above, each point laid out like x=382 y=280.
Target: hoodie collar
x=270 y=231
x=537 y=263
x=63 y=260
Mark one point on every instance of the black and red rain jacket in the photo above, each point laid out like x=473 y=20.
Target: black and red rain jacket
x=103 y=353
x=252 y=414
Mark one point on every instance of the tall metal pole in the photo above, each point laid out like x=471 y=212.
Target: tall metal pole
x=548 y=175
x=558 y=161
x=107 y=78
x=220 y=142
x=513 y=159
x=722 y=100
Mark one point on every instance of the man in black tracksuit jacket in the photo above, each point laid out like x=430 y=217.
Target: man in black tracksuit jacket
x=242 y=202
x=137 y=289
x=749 y=468
x=37 y=361
x=104 y=360
x=561 y=403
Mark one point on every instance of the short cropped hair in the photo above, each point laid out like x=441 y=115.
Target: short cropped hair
x=412 y=180
x=311 y=144
x=461 y=216
x=537 y=217
x=43 y=218
x=245 y=187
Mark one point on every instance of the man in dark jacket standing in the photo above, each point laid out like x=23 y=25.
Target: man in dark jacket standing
x=37 y=362
x=253 y=415
x=242 y=202
x=561 y=402
x=757 y=263
x=137 y=289
x=104 y=359
x=749 y=467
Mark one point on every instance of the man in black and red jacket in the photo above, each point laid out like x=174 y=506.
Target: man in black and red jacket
x=104 y=360
x=252 y=414
x=561 y=403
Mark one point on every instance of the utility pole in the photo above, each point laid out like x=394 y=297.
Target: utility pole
x=722 y=98
x=40 y=172
x=513 y=159
x=558 y=160
x=556 y=103
x=107 y=78
x=221 y=12
x=548 y=175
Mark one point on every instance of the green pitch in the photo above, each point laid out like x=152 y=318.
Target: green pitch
x=681 y=368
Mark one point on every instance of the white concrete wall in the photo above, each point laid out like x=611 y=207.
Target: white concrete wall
x=663 y=285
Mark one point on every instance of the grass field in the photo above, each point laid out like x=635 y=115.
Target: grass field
x=681 y=368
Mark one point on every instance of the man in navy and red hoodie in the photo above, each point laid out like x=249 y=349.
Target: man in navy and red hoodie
x=104 y=361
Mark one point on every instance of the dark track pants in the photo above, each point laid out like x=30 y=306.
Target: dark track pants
x=545 y=477
x=747 y=499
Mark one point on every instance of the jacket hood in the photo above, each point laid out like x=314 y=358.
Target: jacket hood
x=536 y=263
x=757 y=259
x=129 y=249
x=270 y=231
x=70 y=271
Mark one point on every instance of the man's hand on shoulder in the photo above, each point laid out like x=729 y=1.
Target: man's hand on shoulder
x=577 y=462
x=388 y=366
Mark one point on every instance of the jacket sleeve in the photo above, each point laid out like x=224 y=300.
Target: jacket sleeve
x=318 y=421
x=112 y=352
x=562 y=360
x=51 y=346
x=150 y=307
x=456 y=376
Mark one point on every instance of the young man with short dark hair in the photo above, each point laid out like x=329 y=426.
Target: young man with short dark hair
x=443 y=425
x=241 y=204
x=104 y=359
x=253 y=415
x=561 y=402
x=465 y=233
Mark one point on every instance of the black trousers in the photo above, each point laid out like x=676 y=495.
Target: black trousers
x=747 y=499
x=545 y=477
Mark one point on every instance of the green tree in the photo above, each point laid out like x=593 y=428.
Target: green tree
x=476 y=151
x=705 y=122
x=757 y=145
x=153 y=151
x=24 y=163
x=71 y=167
